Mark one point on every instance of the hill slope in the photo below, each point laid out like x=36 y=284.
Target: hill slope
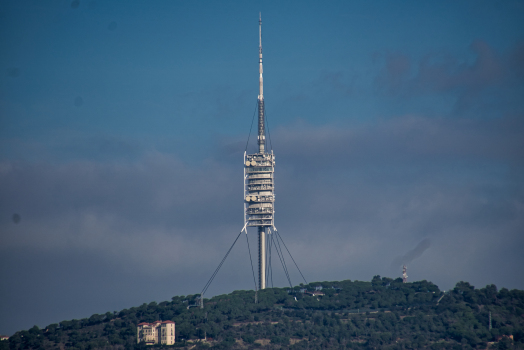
x=381 y=314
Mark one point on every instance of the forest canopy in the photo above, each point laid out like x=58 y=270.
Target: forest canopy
x=384 y=313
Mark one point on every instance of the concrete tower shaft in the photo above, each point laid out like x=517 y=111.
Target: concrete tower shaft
x=262 y=257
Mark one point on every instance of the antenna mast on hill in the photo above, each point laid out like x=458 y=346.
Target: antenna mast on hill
x=404 y=274
x=259 y=169
x=259 y=199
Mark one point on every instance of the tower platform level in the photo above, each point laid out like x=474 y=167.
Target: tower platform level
x=259 y=189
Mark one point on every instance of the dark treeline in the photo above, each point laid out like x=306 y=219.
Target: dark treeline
x=381 y=314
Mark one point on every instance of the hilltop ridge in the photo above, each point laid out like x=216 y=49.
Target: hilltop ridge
x=382 y=314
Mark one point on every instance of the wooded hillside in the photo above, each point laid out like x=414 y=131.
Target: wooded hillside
x=381 y=314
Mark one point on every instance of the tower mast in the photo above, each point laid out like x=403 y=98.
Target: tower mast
x=258 y=180
x=261 y=150
x=261 y=122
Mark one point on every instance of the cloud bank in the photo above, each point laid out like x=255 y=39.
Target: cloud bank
x=349 y=200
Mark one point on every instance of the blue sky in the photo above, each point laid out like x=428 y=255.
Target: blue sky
x=123 y=123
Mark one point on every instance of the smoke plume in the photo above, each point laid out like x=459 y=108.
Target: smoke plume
x=412 y=254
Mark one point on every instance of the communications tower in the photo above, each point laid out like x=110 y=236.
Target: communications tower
x=259 y=168
x=259 y=200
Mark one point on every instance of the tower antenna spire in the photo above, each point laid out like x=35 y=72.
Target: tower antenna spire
x=261 y=84
x=261 y=121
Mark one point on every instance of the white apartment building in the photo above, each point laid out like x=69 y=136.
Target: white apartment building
x=158 y=332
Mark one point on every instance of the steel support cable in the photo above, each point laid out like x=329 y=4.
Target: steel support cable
x=251 y=260
x=268 y=249
x=267 y=259
x=251 y=128
x=269 y=267
x=278 y=248
x=278 y=234
x=281 y=257
x=270 y=259
x=220 y=265
x=267 y=127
